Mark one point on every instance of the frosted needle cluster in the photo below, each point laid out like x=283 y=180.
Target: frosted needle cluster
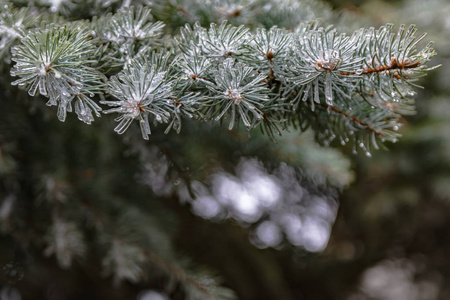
x=353 y=88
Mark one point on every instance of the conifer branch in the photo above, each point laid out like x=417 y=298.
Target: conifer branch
x=182 y=277
x=394 y=65
x=353 y=118
x=224 y=73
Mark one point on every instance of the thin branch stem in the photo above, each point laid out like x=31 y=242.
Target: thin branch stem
x=185 y=12
x=353 y=118
x=394 y=65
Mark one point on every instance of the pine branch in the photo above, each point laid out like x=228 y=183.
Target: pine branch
x=195 y=288
x=394 y=65
x=353 y=118
x=224 y=72
x=136 y=245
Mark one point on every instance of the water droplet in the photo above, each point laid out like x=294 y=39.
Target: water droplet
x=158 y=118
x=329 y=59
x=368 y=154
x=57 y=74
x=361 y=145
x=395 y=128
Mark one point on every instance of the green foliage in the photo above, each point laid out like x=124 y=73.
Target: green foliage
x=356 y=87
x=55 y=62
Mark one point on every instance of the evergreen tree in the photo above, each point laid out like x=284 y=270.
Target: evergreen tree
x=219 y=109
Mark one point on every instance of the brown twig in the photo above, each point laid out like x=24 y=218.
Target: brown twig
x=194 y=77
x=184 y=12
x=353 y=118
x=177 y=102
x=230 y=14
x=269 y=56
x=140 y=107
x=395 y=65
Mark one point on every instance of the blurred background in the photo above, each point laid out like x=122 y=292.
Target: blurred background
x=275 y=221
